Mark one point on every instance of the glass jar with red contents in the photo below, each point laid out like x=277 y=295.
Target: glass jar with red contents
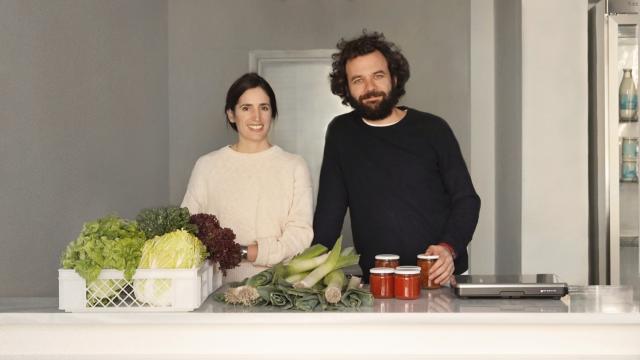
x=425 y=262
x=407 y=282
x=387 y=260
x=381 y=282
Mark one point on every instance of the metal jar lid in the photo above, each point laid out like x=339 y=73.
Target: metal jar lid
x=381 y=270
x=407 y=270
x=387 y=257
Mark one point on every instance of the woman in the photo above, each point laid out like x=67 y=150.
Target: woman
x=258 y=190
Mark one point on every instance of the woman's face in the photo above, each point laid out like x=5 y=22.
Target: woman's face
x=252 y=115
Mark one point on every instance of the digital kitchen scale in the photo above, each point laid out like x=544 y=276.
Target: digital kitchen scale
x=510 y=286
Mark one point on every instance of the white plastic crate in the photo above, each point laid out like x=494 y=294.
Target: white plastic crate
x=149 y=290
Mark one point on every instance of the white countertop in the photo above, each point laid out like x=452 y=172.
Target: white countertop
x=591 y=320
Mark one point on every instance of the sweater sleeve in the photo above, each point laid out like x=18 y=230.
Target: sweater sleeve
x=297 y=232
x=195 y=196
x=332 y=194
x=465 y=202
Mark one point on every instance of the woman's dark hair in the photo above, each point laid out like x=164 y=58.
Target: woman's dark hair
x=366 y=44
x=244 y=83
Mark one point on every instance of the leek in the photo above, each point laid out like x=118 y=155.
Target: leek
x=261 y=279
x=335 y=281
x=325 y=268
x=354 y=296
x=307 y=260
x=297 y=266
x=348 y=257
x=292 y=279
x=354 y=282
x=311 y=252
x=244 y=295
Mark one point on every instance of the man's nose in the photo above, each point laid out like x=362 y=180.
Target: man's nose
x=369 y=86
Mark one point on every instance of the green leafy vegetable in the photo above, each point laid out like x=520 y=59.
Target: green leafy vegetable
x=175 y=250
x=325 y=268
x=106 y=243
x=307 y=260
x=325 y=292
x=161 y=220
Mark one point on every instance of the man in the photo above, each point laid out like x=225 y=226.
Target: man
x=398 y=170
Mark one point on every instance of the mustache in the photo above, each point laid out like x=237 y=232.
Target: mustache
x=372 y=94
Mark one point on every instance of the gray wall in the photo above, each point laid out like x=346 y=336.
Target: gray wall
x=95 y=96
x=84 y=126
x=209 y=43
x=508 y=15
x=482 y=250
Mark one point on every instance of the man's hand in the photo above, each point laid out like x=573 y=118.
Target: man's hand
x=442 y=271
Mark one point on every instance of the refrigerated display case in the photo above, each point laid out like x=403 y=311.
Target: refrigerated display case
x=613 y=138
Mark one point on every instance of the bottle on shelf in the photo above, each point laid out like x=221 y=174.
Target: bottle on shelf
x=628 y=98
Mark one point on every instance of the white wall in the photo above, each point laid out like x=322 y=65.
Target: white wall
x=555 y=132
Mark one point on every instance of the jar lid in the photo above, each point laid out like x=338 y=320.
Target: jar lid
x=428 y=257
x=407 y=270
x=387 y=257
x=381 y=270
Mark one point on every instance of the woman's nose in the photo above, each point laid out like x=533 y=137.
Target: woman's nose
x=256 y=115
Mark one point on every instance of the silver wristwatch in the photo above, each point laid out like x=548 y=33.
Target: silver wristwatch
x=244 y=251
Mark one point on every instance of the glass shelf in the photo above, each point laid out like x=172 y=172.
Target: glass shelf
x=629 y=241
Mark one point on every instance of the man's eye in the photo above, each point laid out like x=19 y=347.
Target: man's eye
x=265 y=108
x=356 y=81
x=244 y=108
x=379 y=76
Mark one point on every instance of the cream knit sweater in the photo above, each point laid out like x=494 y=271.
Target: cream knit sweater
x=264 y=197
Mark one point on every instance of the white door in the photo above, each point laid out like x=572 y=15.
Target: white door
x=306 y=105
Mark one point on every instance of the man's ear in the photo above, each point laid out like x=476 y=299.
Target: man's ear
x=230 y=116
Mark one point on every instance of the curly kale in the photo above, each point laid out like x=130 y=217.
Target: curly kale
x=161 y=220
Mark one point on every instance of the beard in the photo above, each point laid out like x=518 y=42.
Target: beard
x=377 y=111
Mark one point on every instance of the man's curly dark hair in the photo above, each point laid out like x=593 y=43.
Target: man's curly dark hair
x=366 y=44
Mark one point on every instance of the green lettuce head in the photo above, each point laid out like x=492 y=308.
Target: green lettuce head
x=175 y=250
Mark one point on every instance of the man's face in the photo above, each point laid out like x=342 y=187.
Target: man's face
x=371 y=86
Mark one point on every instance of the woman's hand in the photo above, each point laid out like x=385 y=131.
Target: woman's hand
x=252 y=252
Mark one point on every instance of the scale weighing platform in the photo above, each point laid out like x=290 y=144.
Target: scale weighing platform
x=510 y=286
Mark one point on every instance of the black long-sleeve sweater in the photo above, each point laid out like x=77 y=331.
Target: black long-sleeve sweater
x=406 y=187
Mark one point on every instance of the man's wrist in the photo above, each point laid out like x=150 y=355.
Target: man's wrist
x=450 y=248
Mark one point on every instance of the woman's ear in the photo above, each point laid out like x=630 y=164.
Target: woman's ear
x=230 y=116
